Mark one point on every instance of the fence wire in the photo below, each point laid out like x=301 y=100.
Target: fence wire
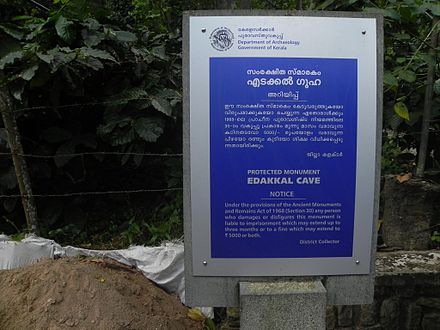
x=97 y=153
x=94 y=193
x=79 y=105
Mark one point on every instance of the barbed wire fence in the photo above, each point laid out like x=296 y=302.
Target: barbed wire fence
x=19 y=157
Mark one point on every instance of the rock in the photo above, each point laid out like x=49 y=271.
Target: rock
x=345 y=316
x=389 y=314
x=330 y=317
x=374 y=327
x=413 y=318
x=409 y=208
x=429 y=302
x=368 y=315
x=431 y=321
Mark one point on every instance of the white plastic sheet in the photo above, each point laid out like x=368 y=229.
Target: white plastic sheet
x=163 y=264
x=17 y=254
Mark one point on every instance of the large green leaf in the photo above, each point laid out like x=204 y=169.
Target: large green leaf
x=47 y=58
x=401 y=110
x=111 y=124
x=142 y=53
x=37 y=28
x=57 y=57
x=406 y=14
x=434 y=8
x=10 y=58
x=17 y=88
x=169 y=93
x=428 y=58
x=91 y=24
x=29 y=73
x=61 y=59
x=121 y=137
x=162 y=105
x=124 y=36
x=159 y=52
x=127 y=95
x=150 y=129
x=92 y=38
x=97 y=53
x=65 y=29
x=408 y=75
x=390 y=80
x=91 y=62
x=12 y=30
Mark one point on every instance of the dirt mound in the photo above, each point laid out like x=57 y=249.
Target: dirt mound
x=86 y=294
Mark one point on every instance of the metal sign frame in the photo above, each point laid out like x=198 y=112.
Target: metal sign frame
x=222 y=273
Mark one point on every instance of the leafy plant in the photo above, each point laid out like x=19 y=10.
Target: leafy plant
x=133 y=233
x=90 y=78
x=164 y=230
x=395 y=158
x=84 y=84
x=70 y=231
x=408 y=27
x=435 y=237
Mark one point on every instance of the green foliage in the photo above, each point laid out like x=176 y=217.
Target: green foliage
x=397 y=158
x=166 y=224
x=128 y=81
x=70 y=232
x=401 y=110
x=162 y=231
x=407 y=28
x=133 y=233
x=19 y=236
x=435 y=237
x=390 y=151
x=107 y=78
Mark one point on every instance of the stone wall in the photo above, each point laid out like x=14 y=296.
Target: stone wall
x=401 y=302
x=407 y=297
x=410 y=212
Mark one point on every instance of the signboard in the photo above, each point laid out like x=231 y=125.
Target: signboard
x=282 y=145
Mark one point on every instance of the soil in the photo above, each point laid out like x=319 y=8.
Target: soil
x=73 y=293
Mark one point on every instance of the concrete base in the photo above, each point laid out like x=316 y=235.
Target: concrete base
x=282 y=305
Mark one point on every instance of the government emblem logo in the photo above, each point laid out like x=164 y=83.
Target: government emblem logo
x=222 y=38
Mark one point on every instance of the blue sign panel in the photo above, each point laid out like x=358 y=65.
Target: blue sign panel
x=283 y=156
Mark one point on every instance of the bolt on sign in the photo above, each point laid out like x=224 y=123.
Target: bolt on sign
x=281 y=143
